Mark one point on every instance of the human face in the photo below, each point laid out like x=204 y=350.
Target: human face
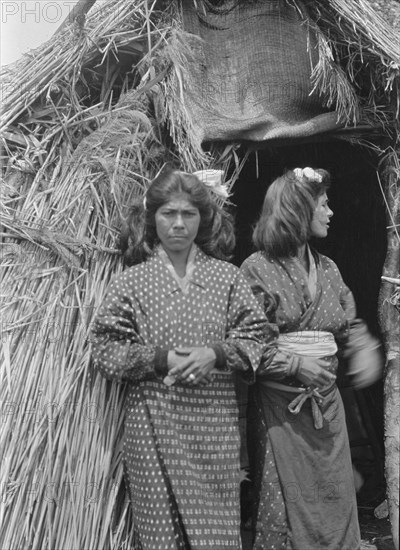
x=321 y=218
x=177 y=224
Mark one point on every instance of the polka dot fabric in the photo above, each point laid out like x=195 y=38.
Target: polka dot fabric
x=268 y=514
x=304 y=487
x=282 y=290
x=181 y=443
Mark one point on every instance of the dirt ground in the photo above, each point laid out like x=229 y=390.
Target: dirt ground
x=375 y=533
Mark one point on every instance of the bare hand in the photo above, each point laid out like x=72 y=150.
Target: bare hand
x=313 y=372
x=192 y=365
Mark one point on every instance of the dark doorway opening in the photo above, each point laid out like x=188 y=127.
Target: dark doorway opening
x=357 y=244
x=357 y=237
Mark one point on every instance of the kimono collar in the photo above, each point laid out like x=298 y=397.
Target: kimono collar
x=311 y=276
x=183 y=282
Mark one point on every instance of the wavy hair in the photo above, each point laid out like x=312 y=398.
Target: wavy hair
x=285 y=221
x=138 y=235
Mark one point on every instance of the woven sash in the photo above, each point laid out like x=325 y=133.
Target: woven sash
x=311 y=343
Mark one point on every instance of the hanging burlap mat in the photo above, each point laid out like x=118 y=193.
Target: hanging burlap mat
x=252 y=76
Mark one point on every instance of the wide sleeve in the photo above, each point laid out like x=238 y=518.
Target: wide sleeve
x=356 y=344
x=354 y=334
x=275 y=364
x=118 y=349
x=346 y=300
x=248 y=331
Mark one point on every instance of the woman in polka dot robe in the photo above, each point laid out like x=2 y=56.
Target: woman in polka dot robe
x=298 y=440
x=174 y=328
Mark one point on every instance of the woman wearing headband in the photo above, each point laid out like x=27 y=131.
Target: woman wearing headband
x=175 y=327
x=298 y=440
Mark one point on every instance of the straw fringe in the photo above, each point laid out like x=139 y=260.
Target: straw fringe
x=352 y=37
x=178 y=55
x=69 y=183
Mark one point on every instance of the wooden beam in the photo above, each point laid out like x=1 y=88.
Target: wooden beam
x=77 y=13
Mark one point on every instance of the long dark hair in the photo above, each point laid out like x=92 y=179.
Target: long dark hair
x=288 y=209
x=139 y=236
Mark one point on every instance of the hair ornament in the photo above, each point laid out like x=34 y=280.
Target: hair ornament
x=308 y=173
x=213 y=179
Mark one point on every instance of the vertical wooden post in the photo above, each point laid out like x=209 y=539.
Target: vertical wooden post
x=389 y=319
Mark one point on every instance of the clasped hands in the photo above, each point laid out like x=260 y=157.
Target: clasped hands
x=313 y=373
x=191 y=365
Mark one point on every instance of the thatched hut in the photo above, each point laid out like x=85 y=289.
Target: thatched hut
x=88 y=119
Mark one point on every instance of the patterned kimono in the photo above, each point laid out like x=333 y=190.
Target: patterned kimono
x=301 y=467
x=181 y=442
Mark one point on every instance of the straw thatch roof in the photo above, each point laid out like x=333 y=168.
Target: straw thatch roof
x=389 y=11
x=88 y=119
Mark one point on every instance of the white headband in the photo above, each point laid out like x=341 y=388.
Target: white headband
x=308 y=173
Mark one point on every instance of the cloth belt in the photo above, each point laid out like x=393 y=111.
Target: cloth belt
x=310 y=344
x=315 y=395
